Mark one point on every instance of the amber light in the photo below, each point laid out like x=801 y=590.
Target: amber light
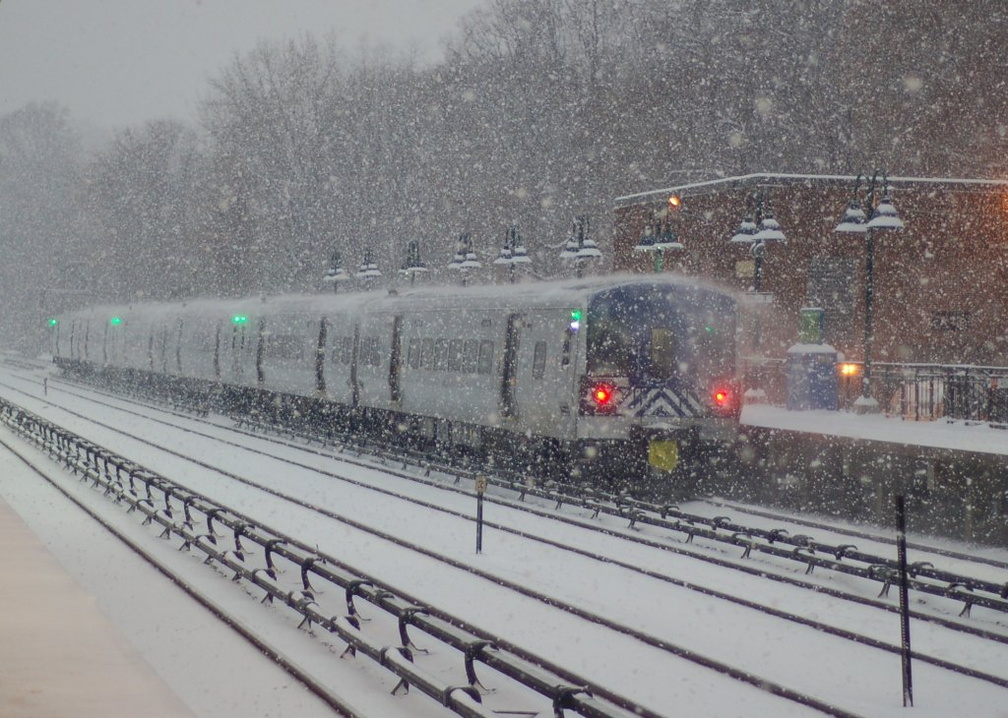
x=849 y=369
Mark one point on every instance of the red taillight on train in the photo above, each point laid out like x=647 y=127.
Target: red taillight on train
x=725 y=400
x=598 y=397
x=602 y=394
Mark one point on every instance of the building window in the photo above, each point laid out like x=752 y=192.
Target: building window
x=831 y=287
x=950 y=321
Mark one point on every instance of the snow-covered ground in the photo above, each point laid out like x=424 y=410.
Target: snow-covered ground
x=217 y=675
x=942 y=434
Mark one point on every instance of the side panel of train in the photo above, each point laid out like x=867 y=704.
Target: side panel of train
x=625 y=378
x=483 y=368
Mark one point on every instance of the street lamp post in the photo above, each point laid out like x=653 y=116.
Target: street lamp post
x=759 y=228
x=464 y=258
x=512 y=252
x=863 y=216
x=580 y=248
x=368 y=271
x=413 y=264
x=335 y=274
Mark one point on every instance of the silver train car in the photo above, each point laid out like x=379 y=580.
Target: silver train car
x=624 y=381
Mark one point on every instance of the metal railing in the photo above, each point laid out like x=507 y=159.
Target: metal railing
x=257 y=555
x=913 y=391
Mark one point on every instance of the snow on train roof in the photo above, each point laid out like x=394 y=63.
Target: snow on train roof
x=533 y=294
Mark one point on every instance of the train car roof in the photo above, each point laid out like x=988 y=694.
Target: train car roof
x=573 y=292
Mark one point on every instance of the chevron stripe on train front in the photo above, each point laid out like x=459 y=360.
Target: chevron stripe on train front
x=665 y=402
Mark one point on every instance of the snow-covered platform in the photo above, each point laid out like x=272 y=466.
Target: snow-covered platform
x=938 y=434
x=59 y=655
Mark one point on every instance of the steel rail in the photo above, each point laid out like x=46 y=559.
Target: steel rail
x=842 y=558
x=153 y=496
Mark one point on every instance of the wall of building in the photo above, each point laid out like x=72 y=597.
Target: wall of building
x=941 y=284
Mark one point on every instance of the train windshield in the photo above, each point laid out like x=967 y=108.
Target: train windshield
x=656 y=332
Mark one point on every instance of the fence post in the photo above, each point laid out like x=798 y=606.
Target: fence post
x=904 y=600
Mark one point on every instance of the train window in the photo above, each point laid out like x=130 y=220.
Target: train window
x=663 y=353
x=373 y=354
x=455 y=355
x=413 y=354
x=539 y=360
x=610 y=346
x=427 y=354
x=485 y=365
x=440 y=354
x=284 y=346
x=470 y=355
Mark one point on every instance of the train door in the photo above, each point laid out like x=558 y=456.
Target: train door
x=509 y=372
x=395 y=361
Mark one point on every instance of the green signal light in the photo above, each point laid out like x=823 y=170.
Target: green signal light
x=575 y=320
x=53 y=322
x=115 y=321
x=239 y=319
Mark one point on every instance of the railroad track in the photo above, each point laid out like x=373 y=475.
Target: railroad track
x=986 y=589
x=698 y=587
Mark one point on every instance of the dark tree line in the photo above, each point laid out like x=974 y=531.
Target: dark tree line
x=541 y=110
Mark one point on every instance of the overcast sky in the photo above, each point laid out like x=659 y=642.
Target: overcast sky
x=115 y=63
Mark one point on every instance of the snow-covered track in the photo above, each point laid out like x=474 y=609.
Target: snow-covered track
x=644 y=534
x=221 y=613
x=968 y=590
x=183 y=513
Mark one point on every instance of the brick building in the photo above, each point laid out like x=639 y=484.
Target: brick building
x=940 y=283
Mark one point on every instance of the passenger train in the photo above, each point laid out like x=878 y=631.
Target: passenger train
x=629 y=382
